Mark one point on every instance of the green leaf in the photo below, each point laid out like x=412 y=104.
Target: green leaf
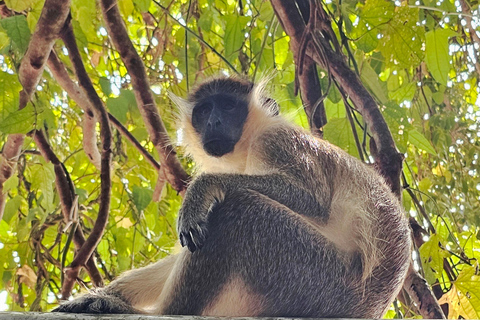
x=18 y=32
x=401 y=39
x=10 y=89
x=22 y=229
x=119 y=106
x=20 y=121
x=367 y=40
x=419 y=141
x=404 y=93
x=437 y=55
x=142 y=5
x=141 y=197
x=34 y=14
x=432 y=255
x=11 y=208
x=205 y=21
x=11 y=183
x=335 y=110
x=105 y=85
x=85 y=12
x=234 y=34
x=464 y=298
x=370 y=78
x=4 y=228
x=19 y=5
x=339 y=132
x=126 y=7
x=3 y=39
x=377 y=12
x=43 y=178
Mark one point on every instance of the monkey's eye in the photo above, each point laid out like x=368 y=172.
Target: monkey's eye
x=228 y=106
x=202 y=109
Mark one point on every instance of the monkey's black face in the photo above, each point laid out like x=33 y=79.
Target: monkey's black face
x=219 y=121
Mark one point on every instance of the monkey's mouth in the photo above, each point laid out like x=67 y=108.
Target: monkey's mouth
x=218 y=147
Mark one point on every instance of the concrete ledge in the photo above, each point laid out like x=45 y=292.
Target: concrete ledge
x=78 y=316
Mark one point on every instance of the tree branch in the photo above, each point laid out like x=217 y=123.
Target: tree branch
x=134 y=141
x=73 y=90
x=100 y=113
x=52 y=18
x=174 y=172
x=60 y=74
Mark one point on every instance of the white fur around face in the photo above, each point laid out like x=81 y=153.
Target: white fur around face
x=241 y=160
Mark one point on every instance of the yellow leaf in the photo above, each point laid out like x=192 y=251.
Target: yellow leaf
x=438 y=170
x=123 y=222
x=464 y=296
x=27 y=276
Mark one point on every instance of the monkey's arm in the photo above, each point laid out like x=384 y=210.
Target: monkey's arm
x=133 y=290
x=208 y=190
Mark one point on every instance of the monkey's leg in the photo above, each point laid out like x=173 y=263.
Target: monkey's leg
x=261 y=259
x=132 y=291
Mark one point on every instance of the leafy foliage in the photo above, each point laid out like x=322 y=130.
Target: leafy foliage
x=418 y=59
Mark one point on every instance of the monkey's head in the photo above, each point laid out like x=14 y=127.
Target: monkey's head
x=220 y=109
x=220 y=115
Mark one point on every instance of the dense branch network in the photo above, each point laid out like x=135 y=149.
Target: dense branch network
x=65 y=190
x=85 y=252
x=317 y=40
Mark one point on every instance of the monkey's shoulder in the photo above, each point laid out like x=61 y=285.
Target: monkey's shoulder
x=291 y=143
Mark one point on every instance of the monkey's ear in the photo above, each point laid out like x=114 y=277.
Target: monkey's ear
x=184 y=107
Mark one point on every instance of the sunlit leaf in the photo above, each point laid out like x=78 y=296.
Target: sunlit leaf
x=370 y=77
x=464 y=296
x=18 y=31
x=401 y=39
x=432 y=255
x=20 y=5
x=3 y=39
x=141 y=197
x=437 y=55
x=419 y=141
x=338 y=131
x=20 y=121
x=142 y=5
x=234 y=35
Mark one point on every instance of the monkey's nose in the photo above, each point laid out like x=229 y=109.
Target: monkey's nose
x=214 y=123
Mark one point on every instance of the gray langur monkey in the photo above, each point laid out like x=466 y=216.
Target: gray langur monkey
x=279 y=223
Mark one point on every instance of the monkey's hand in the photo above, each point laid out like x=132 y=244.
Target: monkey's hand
x=201 y=197
x=97 y=303
x=192 y=227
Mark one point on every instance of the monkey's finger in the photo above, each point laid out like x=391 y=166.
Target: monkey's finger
x=183 y=242
x=188 y=241
x=194 y=240
x=199 y=234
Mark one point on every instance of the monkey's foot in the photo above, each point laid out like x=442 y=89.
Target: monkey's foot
x=99 y=304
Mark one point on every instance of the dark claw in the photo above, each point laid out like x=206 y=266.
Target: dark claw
x=186 y=240
x=192 y=233
x=183 y=242
x=194 y=239
x=190 y=242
